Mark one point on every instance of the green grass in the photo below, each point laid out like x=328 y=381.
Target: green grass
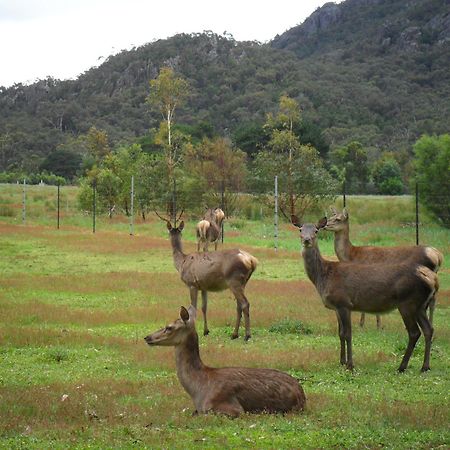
x=76 y=373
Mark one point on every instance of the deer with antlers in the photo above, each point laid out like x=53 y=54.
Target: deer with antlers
x=377 y=288
x=338 y=223
x=228 y=390
x=214 y=272
x=209 y=229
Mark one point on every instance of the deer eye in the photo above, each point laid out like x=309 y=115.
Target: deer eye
x=168 y=328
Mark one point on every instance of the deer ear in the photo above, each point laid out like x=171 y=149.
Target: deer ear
x=345 y=212
x=322 y=223
x=295 y=221
x=169 y=226
x=333 y=209
x=181 y=226
x=192 y=313
x=184 y=315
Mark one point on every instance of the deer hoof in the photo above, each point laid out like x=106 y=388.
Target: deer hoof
x=401 y=369
x=247 y=337
x=205 y=333
x=425 y=369
x=234 y=336
x=349 y=367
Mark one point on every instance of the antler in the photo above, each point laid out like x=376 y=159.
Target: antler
x=162 y=218
x=284 y=214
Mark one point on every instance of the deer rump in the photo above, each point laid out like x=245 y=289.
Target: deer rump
x=254 y=390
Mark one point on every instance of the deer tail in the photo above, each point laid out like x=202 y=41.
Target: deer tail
x=429 y=278
x=435 y=256
x=249 y=260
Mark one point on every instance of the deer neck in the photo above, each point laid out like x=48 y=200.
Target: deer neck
x=342 y=245
x=177 y=251
x=190 y=368
x=315 y=266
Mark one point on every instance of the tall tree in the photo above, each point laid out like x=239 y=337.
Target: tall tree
x=167 y=92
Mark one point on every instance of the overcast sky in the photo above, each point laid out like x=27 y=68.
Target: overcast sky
x=63 y=38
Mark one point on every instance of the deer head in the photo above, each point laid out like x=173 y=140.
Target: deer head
x=308 y=231
x=338 y=220
x=174 y=333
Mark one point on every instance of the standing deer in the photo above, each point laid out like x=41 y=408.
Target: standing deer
x=214 y=272
x=377 y=288
x=345 y=251
x=228 y=390
x=209 y=229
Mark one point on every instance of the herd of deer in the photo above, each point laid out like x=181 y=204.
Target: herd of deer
x=365 y=279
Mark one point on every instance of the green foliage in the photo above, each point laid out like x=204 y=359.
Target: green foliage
x=432 y=163
x=63 y=163
x=290 y=326
x=32 y=178
x=386 y=174
x=350 y=164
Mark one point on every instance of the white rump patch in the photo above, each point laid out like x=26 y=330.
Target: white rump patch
x=435 y=256
x=249 y=261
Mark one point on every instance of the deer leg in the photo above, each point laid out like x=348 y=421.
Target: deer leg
x=204 y=308
x=413 y=335
x=362 y=320
x=431 y=307
x=235 y=334
x=243 y=306
x=193 y=291
x=342 y=339
x=427 y=330
x=215 y=246
x=345 y=316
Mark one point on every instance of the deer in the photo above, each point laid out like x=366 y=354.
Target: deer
x=209 y=229
x=214 y=272
x=378 y=288
x=345 y=251
x=226 y=390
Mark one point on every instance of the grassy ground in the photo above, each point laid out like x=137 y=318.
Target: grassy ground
x=75 y=371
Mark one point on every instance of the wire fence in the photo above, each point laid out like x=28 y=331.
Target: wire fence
x=59 y=205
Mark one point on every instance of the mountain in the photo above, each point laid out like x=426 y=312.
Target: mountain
x=377 y=71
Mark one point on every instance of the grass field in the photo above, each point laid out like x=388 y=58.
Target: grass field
x=75 y=306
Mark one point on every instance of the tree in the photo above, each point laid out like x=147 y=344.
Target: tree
x=350 y=165
x=63 y=163
x=97 y=143
x=167 y=92
x=432 y=164
x=212 y=166
x=283 y=140
x=387 y=175
x=311 y=183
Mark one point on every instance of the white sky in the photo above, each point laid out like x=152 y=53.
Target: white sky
x=63 y=38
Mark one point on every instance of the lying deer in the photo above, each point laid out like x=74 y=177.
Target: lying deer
x=228 y=390
x=209 y=229
x=377 y=288
x=214 y=272
x=345 y=251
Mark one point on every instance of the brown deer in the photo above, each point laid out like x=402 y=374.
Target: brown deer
x=377 y=288
x=214 y=272
x=209 y=229
x=345 y=251
x=228 y=390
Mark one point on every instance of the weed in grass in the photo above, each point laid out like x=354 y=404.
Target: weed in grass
x=290 y=326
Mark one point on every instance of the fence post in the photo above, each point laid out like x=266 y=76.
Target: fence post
x=94 y=185
x=24 y=211
x=222 y=205
x=132 y=207
x=58 y=203
x=275 y=222
x=417 y=213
